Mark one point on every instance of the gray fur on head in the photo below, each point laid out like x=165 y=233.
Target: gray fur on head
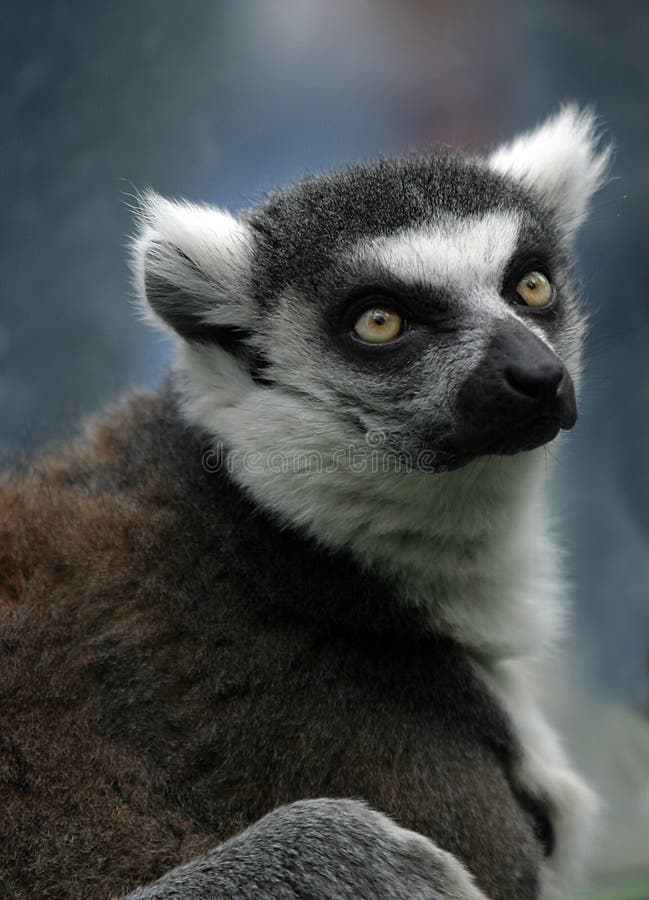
x=260 y=304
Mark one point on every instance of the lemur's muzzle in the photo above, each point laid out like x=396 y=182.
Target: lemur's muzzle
x=518 y=397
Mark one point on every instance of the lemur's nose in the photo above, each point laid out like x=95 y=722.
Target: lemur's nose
x=533 y=376
x=539 y=381
x=519 y=383
x=547 y=385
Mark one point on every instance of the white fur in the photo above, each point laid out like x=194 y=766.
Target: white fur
x=560 y=161
x=216 y=249
x=470 y=546
x=465 y=254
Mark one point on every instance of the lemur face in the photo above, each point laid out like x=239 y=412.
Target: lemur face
x=429 y=299
x=425 y=299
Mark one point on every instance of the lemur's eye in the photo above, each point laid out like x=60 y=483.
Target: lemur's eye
x=378 y=325
x=534 y=289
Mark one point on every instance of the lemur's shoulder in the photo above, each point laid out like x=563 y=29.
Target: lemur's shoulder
x=77 y=503
x=77 y=528
x=159 y=624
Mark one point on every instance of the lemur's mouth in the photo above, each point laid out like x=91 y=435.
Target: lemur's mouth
x=526 y=437
x=501 y=439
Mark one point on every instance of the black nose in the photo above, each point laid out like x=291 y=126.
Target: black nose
x=539 y=380
x=519 y=395
x=544 y=382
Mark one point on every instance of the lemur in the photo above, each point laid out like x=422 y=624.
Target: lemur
x=274 y=630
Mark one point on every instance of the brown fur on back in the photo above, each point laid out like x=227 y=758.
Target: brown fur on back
x=79 y=815
x=174 y=666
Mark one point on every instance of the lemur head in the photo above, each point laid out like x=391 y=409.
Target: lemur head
x=426 y=300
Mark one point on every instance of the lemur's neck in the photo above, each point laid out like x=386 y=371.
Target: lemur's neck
x=469 y=546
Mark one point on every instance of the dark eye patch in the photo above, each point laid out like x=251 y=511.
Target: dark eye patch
x=425 y=314
x=418 y=306
x=532 y=259
x=524 y=261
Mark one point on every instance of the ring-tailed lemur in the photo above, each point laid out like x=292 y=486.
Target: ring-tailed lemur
x=315 y=564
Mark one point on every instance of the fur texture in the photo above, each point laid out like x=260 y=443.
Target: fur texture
x=172 y=674
x=374 y=852
x=561 y=163
x=285 y=576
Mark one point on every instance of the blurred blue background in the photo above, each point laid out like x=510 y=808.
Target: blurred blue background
x=220 y=101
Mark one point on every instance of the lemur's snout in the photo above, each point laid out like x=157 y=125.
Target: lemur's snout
x=518 y=397
x=546 y=385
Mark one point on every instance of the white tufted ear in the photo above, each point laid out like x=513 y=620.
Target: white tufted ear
x=561 y=161
x=190 y=265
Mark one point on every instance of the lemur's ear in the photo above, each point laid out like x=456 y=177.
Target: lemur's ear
x=190 y=264
x=561 y=161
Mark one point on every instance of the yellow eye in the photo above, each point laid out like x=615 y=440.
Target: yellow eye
x=535 y=289
x=378 y=325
